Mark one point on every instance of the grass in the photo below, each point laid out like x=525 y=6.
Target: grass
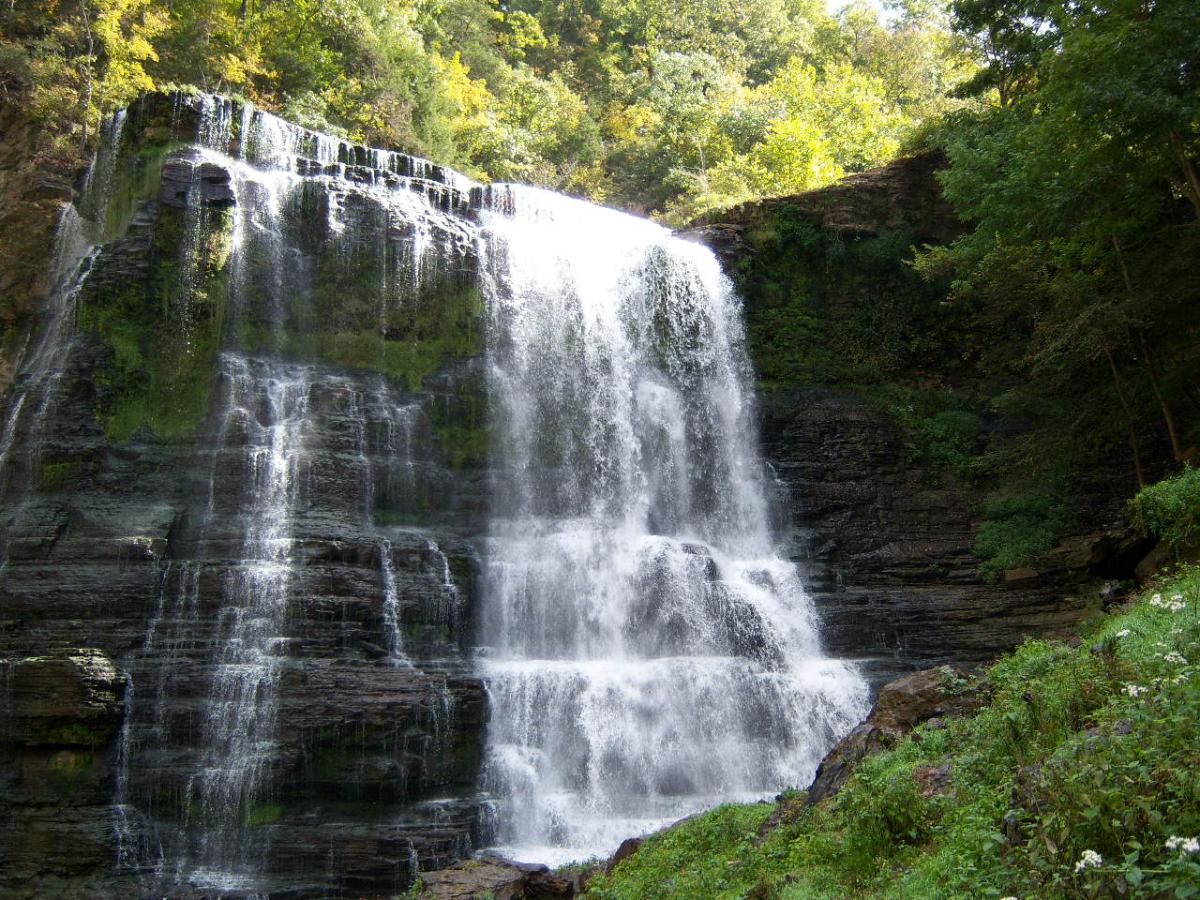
x=1094 y=747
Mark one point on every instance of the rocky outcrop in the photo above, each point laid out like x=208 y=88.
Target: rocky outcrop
x=928 y=695
x=70 y=698
x=496 y=878
x=59 y=714
x=901 y=195
x=887 y=549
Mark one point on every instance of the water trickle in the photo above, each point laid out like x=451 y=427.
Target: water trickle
x=41 y=363
x=391 y=606
x=240 y=726
x=646 y=653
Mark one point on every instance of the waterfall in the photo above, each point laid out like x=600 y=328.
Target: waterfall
x=327 y=520
x=41 y=363
x=646 y=653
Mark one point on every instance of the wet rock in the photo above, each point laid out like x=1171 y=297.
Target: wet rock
x=836 y=768
x=886 y=550
x=934 y=779
x=187 y=177
x=69 y=698
x=497 y=878
x=59 y=715
x=127 y=547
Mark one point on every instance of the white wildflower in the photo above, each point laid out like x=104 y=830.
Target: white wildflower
x=1124 y=632
x=1133 y=690
x=1176 y=631
x=1178 y=598
x=1176 y=606
x=1175 y=658
x=1089 y=860
x=1156 y=600
x=1185 y=846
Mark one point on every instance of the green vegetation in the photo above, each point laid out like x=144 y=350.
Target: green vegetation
x=1079 y=184
x=162 y=334
x=1016 y=530
x=822 y=308
x=943 y=432
x=1078 y=778
x=1170 y=509
x=632 y=103
x=54 y=475
x=263 y=814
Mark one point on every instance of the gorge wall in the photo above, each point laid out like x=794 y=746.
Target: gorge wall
x=247 y=480
x=205 y=537
x=882 y=526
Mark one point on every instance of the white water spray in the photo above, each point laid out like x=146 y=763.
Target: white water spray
x=647 y=654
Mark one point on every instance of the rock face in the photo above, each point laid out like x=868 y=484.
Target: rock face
x=228 y=380
x=888 y=555
x=901 y=195
x=59 y=713
x=885 y=541
x=132 y=488
x=35 y=182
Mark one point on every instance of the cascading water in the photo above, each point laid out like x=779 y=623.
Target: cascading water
x=646 y=653
x=41 y=367
x=262 y=420
x=313 y=543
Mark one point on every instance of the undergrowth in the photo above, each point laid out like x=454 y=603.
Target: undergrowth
x=1079 y=778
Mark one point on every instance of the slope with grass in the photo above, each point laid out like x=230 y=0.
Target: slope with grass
x=1079 y=778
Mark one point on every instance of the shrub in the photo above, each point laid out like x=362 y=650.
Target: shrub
x=1016 y=530
x=1170 y=509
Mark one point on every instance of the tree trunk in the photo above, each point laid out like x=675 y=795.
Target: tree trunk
x=1191 y=180
x=1133 y=441
x=91 y=55
x=1148 y=360
x=1168 y=416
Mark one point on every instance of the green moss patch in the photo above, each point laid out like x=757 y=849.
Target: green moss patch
x=162 y=334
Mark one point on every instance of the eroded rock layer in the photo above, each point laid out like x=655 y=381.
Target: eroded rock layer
x=244 y=470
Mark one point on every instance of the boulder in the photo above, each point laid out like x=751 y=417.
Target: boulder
x=838 y=764
x=929 y=695
x=497 y=878
x=628 y=848
x=911 y=699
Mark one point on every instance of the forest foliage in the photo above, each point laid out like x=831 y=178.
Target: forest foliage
x=1074 y=287
x=646 y=104
x=1053 y=343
